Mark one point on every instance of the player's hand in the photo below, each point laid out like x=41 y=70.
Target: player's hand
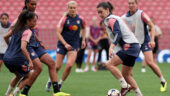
x=152 y=43
x=42 y=46
x=111 y=53
x=30 y=65
x=83 y=44
x=68 y=47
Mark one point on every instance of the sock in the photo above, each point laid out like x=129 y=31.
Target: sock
x=55 y=87
x=8 y=92
x=138 y=92
x=162 y=79
x=16 y=91
x=123 y=83
x=26 y=89
x=61 y=82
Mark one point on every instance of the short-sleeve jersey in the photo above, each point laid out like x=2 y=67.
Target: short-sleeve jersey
x=71 y=28
x=14 y=51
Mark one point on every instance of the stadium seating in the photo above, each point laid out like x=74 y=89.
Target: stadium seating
x=50 y=11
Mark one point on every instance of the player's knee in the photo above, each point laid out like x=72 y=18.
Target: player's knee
x=58 y=67
x=150 y=63
x=108 y=64
x=69 y=65
x=51 y=64
x=38 y=69
x=126 y=74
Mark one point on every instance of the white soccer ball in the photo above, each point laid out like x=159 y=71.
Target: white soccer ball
x=113 y=92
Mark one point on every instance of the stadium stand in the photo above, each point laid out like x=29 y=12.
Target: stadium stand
x=50 y=11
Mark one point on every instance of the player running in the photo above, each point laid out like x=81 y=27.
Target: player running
x=17 y=58
x=68 y=33
x=137 y=20
x=127 y=48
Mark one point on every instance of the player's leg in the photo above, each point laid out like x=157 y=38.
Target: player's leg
x=127 y=74
x=111 y=65
x=155 y=57
x=94 y=61
x=36 y=71
x=143 y=66
x=12 y=84
x=52 y=70
x=149 y=60
x=88 y=60
x=71 y=57
x=22 y=83
x=59 y=61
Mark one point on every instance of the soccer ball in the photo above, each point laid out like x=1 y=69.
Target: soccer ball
x=113 y=92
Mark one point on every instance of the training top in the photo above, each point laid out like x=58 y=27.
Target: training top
x=118 y=32
x=3 y=31
x=138 y=25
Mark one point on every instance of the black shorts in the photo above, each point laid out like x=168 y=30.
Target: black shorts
x=17 y=66
x=127 y=59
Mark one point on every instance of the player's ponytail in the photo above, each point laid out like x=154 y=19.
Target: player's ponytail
x=22 y=20
x=111 y=8
x=25 y=6
x=106 y=5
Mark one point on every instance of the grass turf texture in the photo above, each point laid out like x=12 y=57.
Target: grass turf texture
x=93 y=83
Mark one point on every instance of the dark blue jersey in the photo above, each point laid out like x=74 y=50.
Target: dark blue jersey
x=33 y=42
x=71 y=28
x=14 y=51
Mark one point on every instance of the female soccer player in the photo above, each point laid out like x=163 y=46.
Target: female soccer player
x=38 y=55
x=4 y=27
x=17 y=58
x=126 y=43
x=137 y=20
x=93 y=39
x=68 y=32
x=158 y=34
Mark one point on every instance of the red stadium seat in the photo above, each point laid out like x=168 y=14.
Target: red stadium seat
x=50 y=13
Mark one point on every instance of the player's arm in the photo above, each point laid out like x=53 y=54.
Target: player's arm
x=7 y=36
x=148 y=21
x=114 y=25
x=24 y=41
x=60 y=37
x=41 y=44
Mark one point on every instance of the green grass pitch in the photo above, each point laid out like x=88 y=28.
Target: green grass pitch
x=93 y=83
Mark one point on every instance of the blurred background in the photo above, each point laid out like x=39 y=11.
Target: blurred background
x=50 y=12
